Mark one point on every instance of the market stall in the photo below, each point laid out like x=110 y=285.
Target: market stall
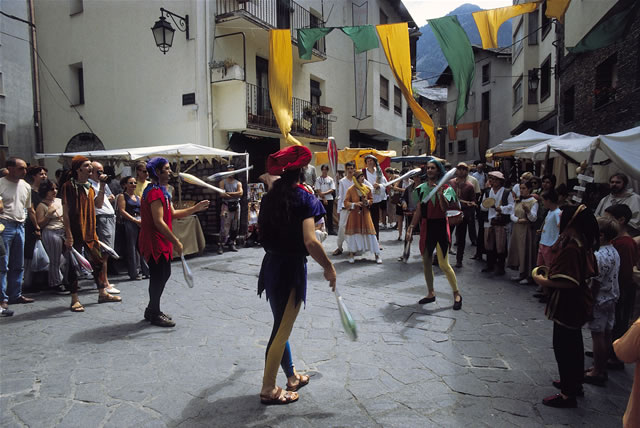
x=509 y=146
x=189 y=228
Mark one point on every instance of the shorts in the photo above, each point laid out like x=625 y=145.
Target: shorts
x=604 y=316
x=106 y=229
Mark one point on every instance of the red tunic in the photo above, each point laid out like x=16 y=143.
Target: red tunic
x=151 y=242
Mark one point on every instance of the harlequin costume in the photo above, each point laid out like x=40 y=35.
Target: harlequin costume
x=435 y=233
x=283 y=275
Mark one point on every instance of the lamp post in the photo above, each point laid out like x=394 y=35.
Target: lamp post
x=163 y=30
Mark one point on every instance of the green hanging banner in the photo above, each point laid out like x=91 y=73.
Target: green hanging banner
x=364 y=38
x=456 y=48
x=606 y=33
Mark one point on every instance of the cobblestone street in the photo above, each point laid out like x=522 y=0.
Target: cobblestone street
x=489 y=364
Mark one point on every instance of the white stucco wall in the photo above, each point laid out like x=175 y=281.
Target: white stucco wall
x=581 y=16
x=133 y=93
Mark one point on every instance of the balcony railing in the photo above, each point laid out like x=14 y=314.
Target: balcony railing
x=308 y=121
x=273 y=14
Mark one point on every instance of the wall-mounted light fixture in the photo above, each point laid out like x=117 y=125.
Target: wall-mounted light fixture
x=163 y=30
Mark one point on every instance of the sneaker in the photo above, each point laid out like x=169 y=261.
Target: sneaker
x=161 y=320
x=220 y=250
x=378 y=259
x=6 y=312
x=112 y=290
x=337 y=251
x=352 y=259
x=148 y=315
x=233 y=248
x=524 y=281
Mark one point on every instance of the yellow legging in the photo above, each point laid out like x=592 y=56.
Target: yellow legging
x=443 y=262
x=276 y=349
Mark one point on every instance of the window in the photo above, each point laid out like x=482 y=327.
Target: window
x=517 y=40
x=486 y=73
x=3 y=135
x=568 y=104
x=263 y=105
x=606 y=81
x=384 y=19
x=75 y=6
x=517 y=95
x=545 y=79
x=1 y=85
x=314 y=22
x=77 y=79
x=638 y=64
x=450 y=146
x=315 y=92
x=384 y=92
x=486 y=105
x=283 y=13
x=397 y=101
x=462 y=146
x=533 y=26
x=546 y=22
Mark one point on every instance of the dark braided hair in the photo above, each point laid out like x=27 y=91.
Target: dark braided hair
x=277 y=205
x=584 y=224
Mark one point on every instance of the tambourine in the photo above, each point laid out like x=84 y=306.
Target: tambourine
x=488 y=203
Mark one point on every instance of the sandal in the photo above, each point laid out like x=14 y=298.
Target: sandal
x=280 y=398
x=302 y=381
x=108 y=298
x=76 y=307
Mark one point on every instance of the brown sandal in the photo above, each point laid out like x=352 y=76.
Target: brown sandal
x=76 y=307
x=302 y=381
x=281 y=397
x=108 y=298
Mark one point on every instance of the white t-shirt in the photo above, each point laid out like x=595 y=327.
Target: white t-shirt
x=324 y=184
x=551 y=228
x=380 y=194
x=16 y=198
x=107 y=208
x=343 y=186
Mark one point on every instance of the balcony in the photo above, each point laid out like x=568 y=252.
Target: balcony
x=308 y=120
x=270 y=14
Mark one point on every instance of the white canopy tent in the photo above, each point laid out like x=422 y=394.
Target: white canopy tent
x=173 y=153
x=575 y=146
x=510 y=145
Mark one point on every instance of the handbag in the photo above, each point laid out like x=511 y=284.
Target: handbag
x=233 y=205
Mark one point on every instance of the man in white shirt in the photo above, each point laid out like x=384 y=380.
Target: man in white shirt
x=343 y=186
x=621 y=194
x=374 y=175
x=325 y=188
x=105 y=214
x=16 y=198
x=495 y=234
x=480 y=176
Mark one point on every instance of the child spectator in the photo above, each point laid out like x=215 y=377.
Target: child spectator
x=604 y=288
x=550 y=228
x=628 y=251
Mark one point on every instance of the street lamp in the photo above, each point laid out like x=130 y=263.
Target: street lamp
x=534 y=79
x=163 y=30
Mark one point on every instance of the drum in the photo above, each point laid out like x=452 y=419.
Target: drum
x=454 y=217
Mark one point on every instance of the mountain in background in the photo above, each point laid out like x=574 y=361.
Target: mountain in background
x=430 y=61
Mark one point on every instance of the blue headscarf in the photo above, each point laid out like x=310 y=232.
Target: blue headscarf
x=437 y=163
x=152 y=165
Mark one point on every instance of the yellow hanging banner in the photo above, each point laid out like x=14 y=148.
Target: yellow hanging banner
x=281 y=81
x=557 y=8
x=489 y=21
x=395 y=42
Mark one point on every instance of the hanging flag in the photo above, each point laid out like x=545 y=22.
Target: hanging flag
x=395 y=42
x=364 y=37
x=606 y=32
x=456 y=48
x=489 y=21
x=281 y=81
x=557 y=8
x=307 y=37
x=332 y=155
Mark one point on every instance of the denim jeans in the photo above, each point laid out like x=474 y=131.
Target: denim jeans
x=12 y=263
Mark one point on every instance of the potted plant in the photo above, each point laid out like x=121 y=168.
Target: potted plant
x=325 y=109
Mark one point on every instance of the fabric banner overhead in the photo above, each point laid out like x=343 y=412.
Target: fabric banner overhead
x=395 y=42
x=281 y=81
x=607 y=32
x=456 y=48
x=489 y=21
x=363 y=36
x=557 y=8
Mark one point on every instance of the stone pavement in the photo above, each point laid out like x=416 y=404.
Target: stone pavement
x=489 y=364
